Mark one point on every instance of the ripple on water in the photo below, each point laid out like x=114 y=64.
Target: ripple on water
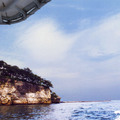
x=63 y=111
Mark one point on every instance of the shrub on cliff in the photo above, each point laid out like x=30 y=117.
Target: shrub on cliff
x=26 y=75
x=54 y=95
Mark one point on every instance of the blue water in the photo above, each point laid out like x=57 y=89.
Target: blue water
x=63 y=111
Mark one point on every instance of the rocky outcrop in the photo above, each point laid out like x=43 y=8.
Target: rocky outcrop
x=22 y=86
x=55 y=98
x=23 y=93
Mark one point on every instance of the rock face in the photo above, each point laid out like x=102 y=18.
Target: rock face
x=55 y=98
x=21 y=92
x=22 y=86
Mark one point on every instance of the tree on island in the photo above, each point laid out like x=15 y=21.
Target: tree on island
x=26 y=75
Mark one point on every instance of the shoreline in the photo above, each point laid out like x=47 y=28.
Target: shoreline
x=83 y=101
x=57 y=103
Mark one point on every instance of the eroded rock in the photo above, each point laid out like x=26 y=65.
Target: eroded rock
x=23 y=93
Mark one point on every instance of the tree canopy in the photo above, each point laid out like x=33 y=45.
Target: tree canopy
x=26 y=75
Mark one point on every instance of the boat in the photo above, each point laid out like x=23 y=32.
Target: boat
x=14 y=11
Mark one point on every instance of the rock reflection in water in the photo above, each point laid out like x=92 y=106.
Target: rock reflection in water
x=63 y=111
x=23 y=112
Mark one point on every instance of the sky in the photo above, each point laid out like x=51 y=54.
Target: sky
x=73 y=43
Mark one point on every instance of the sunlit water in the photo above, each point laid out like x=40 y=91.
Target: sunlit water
x=63 y=111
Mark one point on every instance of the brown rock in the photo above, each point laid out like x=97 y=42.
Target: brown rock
x=20 y=101
x=23 y=93
x=6 y=100
x=56 y=100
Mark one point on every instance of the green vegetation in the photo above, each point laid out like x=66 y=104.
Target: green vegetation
x=53 y=95
x=26 y=75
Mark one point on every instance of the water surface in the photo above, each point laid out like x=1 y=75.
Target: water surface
x=63 y=111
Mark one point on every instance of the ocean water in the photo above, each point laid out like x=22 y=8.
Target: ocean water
x=63 y=111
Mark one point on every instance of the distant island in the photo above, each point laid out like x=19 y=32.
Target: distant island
x=21 y=86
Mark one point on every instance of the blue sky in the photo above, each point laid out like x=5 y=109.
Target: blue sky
x=73 y=43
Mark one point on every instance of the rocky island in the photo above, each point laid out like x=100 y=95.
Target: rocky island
x=21 y=86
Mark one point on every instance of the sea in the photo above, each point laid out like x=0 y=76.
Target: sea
x=64 y=111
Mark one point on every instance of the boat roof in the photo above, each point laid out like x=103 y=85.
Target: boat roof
x=13 y=11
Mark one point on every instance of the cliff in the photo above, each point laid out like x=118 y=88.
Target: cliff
x=17 y=86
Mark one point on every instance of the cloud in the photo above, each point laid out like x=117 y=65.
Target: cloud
x=101 y=40
x=44 y=42
x=79 y=63
x=11 y=58
x=45 y=48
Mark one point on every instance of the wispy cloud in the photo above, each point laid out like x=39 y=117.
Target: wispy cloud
x=45 y=42
x=101 y=40
x=11 y=58
x=86 y=60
